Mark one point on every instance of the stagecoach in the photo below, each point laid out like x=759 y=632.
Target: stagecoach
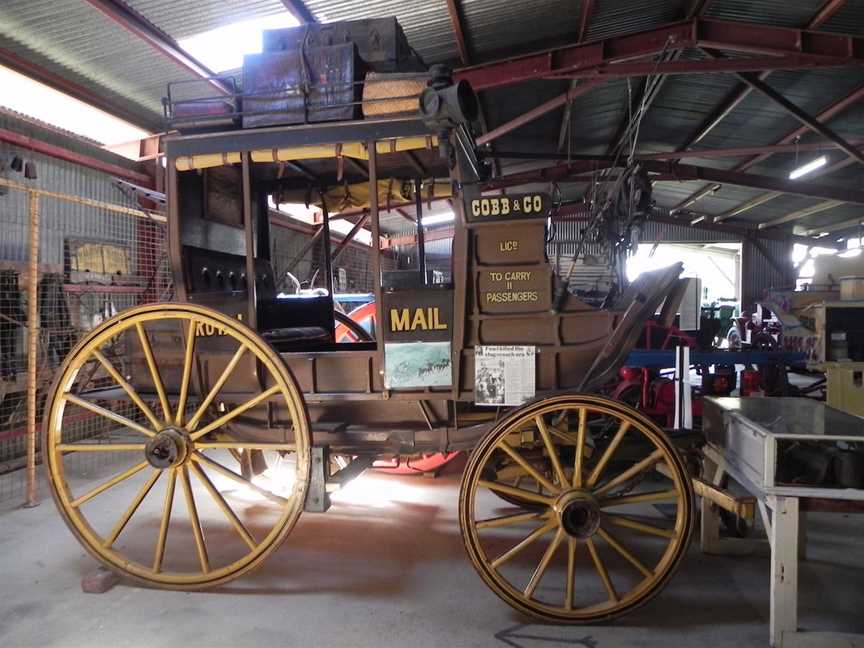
x=235 y=408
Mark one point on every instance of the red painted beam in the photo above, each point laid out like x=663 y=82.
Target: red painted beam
x=586 y=8
x=808 y=120
x=734 y=99
x=539 y=111
x=61 y=153
x=730 y=103
x=745 y=150
x=579 y=213
x=458 y=32
x=825 y=14
x=769 y=183
x=574 y=57
x=429 y=235
x=648 y=67
x=64 y=85
x=699 y=8
x=136 y=24
x=675 y=172
x=823 y=116
x=299 y=10
x=804 y=48
x=585 y=11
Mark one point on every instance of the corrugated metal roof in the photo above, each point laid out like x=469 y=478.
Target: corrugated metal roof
x=29 y=127
x=680 y=108
x=839 y=214
x=493 y=26
x=595 y=117
x=782 y=13
x=75 y=41
x=612 y=17
x=848 y=20
x=182 y=19
x=88 y=48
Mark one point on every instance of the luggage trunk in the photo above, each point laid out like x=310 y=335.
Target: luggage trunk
x=380 y=42
x=294 y=87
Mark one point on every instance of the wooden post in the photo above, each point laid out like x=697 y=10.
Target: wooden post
x=376 y=253
x=32 y=347
x=248 y=225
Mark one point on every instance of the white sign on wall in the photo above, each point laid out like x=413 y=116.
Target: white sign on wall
x=504 y=375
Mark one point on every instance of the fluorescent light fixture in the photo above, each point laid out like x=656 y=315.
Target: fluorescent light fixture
x=439 y=218
x=811 y=166
x=223 y=48
x=850 y=254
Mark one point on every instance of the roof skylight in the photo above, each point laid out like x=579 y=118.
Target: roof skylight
x=223 y=48
x=31 y=98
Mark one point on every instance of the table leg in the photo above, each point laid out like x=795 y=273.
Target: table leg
x=784 y=568
x=710 y=520
x=802 y=535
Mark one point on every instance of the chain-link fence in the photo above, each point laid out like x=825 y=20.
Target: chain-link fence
x=78 y=261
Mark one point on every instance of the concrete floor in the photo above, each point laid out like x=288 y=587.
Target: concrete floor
x=386 y=567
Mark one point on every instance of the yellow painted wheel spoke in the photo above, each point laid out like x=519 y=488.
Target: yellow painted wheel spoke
x=646 y=464
x=154 y=370
x=127 y=515
x=519 y=459
x=226 y=509
x=596 y=486
x=230 y=474
x=601 y=570
x=186 y=378
x=165 y=521
x=129 y=389
x=607 y=453
x=111 y=483
x=628 y=523
x=613 y=542
x=571 y=573
x=544 y=563
x=652 y=497
x=171 y=408
x=553 y=452
x=100 y=447
x=214 y=391
x=561 y=435
x=235 y=412
x=194 y=520
x=580 y=448
x=101 y=411
x=523 y=544
x=516 y=492
x=508 y=520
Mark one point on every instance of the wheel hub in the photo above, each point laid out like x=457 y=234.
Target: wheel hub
x=578 y=513
x=170 y=447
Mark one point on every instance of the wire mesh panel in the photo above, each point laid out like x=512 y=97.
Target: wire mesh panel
x=94 y=261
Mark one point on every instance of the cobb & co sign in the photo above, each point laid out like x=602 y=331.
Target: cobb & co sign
x=513 y=206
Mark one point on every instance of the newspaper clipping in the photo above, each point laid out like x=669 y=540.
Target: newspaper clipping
x=504 y=375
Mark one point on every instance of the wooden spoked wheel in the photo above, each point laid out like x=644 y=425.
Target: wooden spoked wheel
x=182 y=506
x=600 y=521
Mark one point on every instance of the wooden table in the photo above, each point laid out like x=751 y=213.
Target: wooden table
x=745 y=446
